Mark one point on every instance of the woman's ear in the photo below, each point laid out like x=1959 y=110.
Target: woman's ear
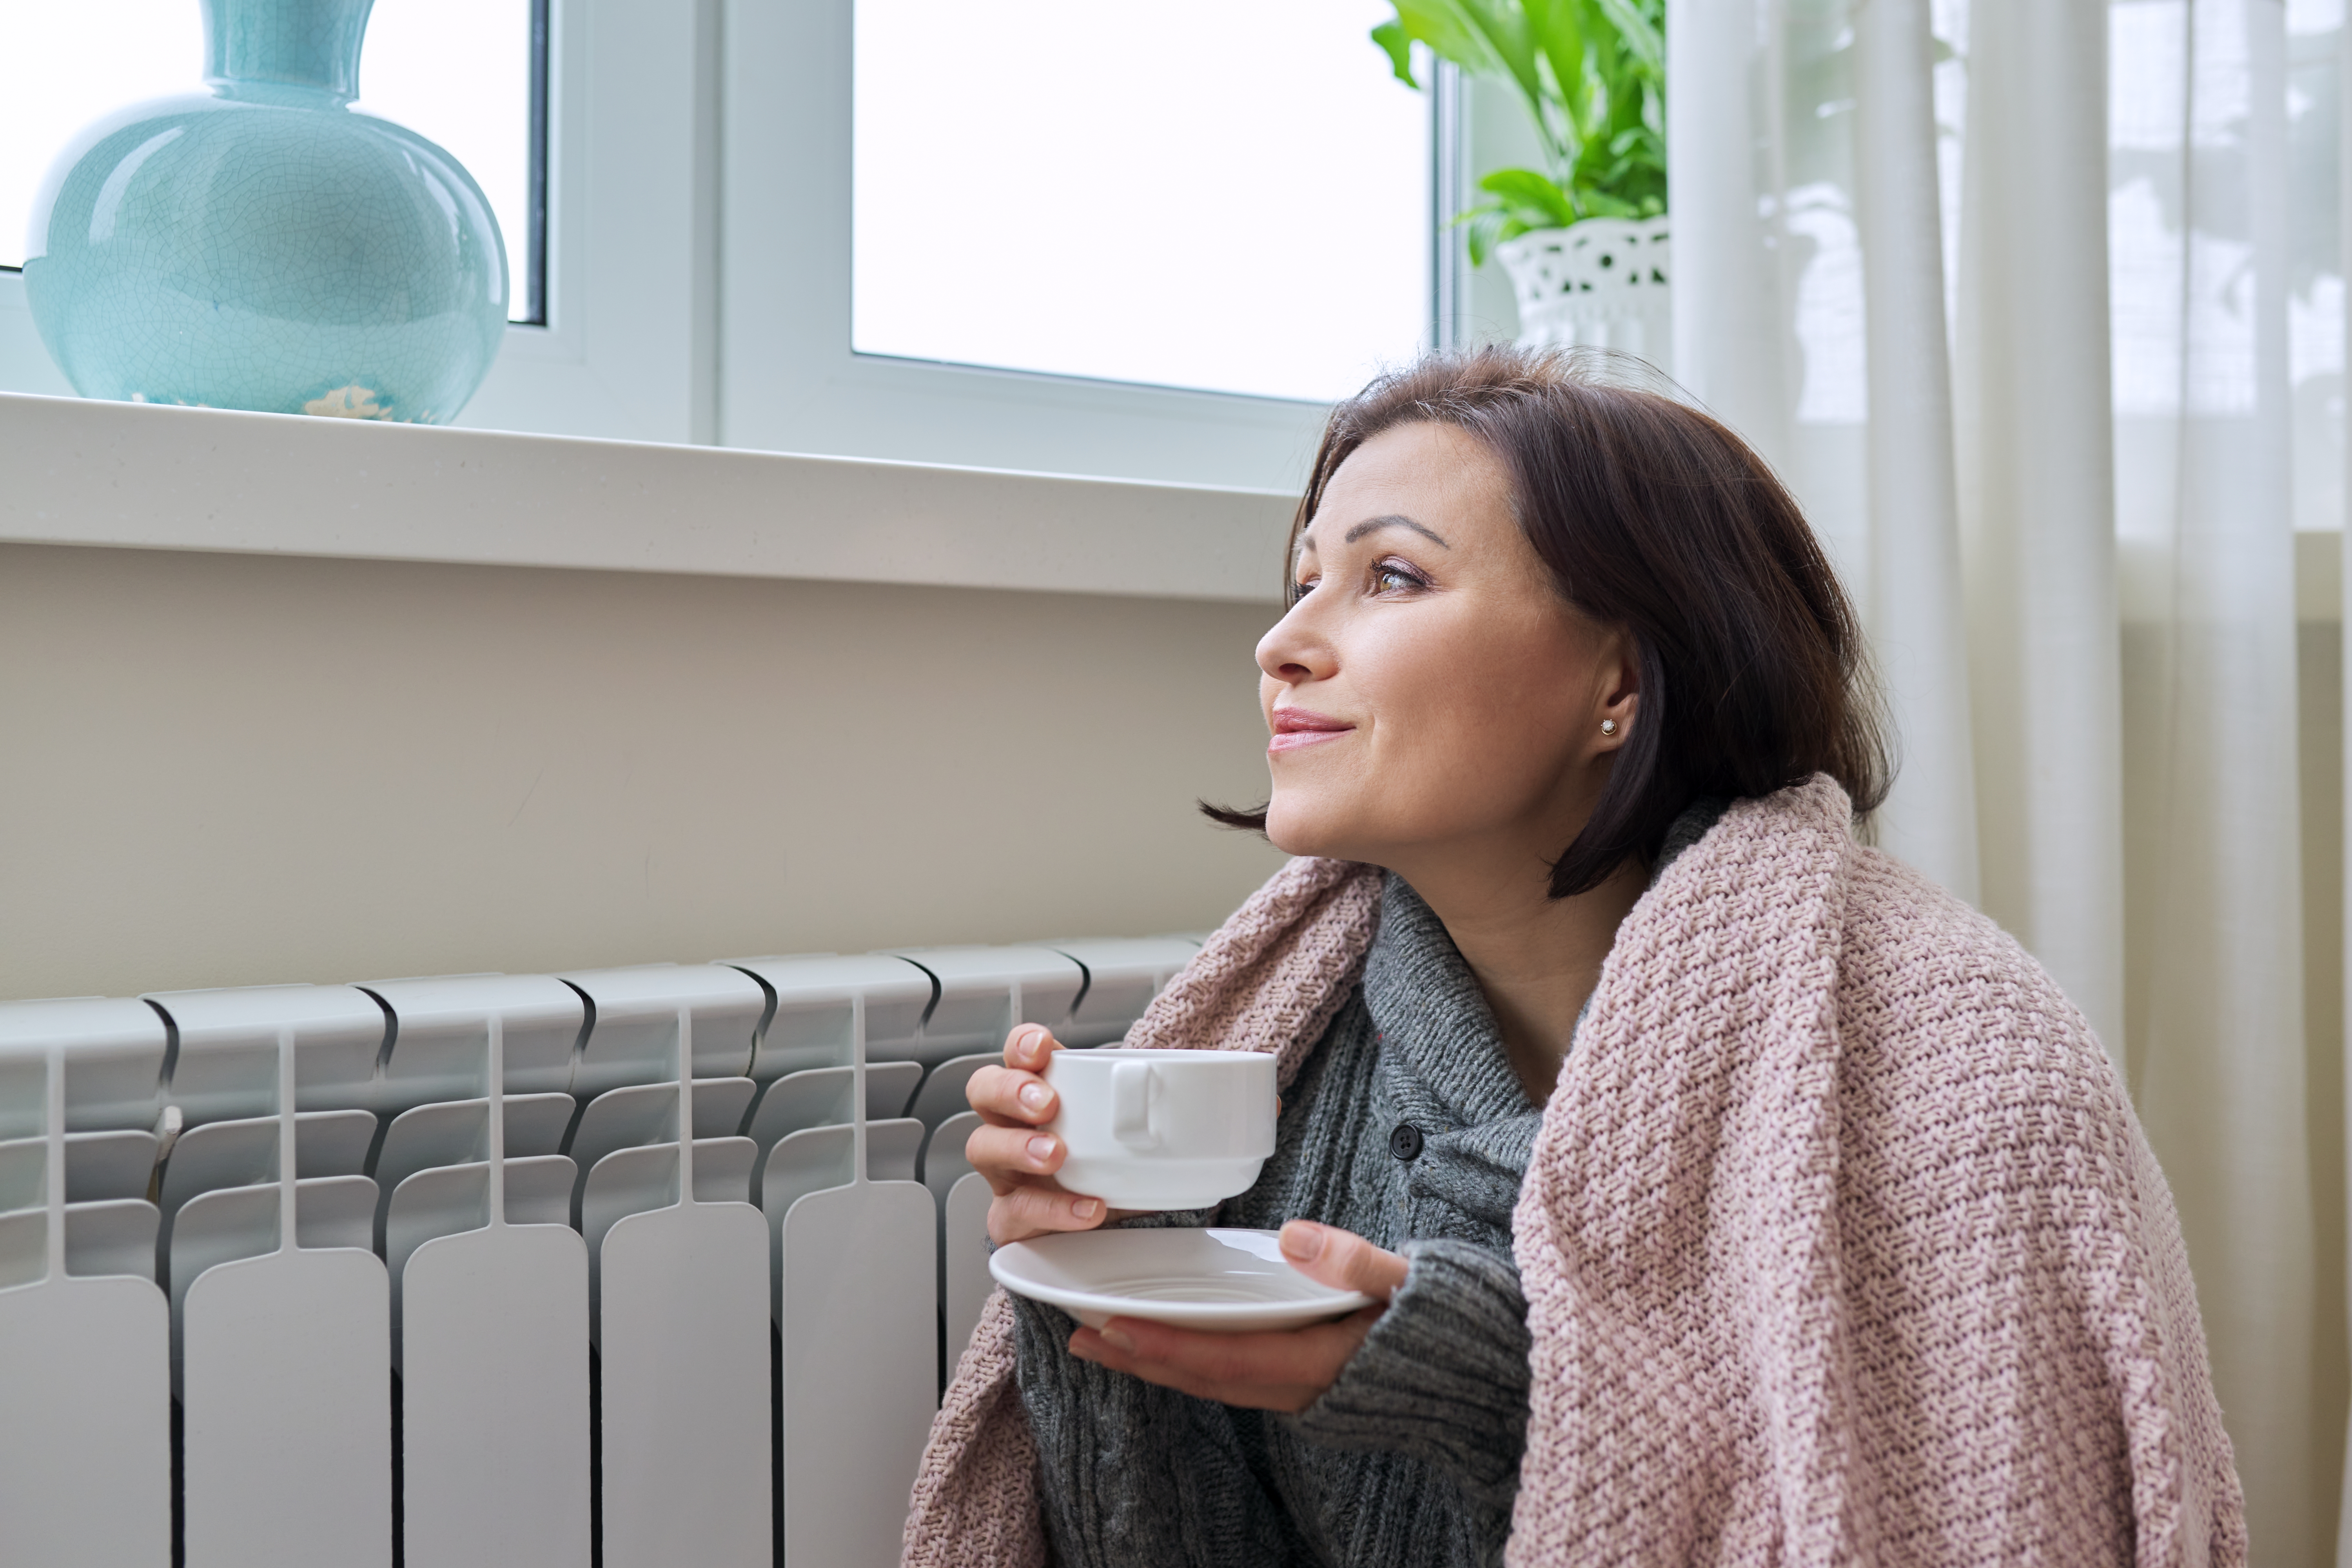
x=1618 y=672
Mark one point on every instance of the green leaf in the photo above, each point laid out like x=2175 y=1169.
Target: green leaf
x=1558 y=27
x=1626 y=142
x=1450 y=35
x=1484 y=38
x=1482 y=236
x=1536 y=196
x=1644 y=39
x=1504 y=27
x=1592 y=74
x=1487 y=225
x=1391 y=36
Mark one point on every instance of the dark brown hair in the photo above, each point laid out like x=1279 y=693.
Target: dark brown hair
x=1656 y=519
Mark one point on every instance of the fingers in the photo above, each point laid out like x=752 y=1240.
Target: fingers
x=1010 y=1156
x=1028 y=1046
x=1343 y=1259
x=1283 y=1371
x=1040 y=1209
x=1015 y=1094
x=1008 y=1098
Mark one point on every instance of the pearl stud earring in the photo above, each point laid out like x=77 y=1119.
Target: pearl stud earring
x=1608 y=726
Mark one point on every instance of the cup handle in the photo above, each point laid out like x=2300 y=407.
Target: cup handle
x=1131 y=1084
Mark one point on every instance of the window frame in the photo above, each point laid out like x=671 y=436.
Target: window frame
x=692 y=187
x=789 y=378
x=625 y=348
x=628 y=345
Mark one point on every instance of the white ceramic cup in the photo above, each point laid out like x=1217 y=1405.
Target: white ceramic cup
x=1162 y=1130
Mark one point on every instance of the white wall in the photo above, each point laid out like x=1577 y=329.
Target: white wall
x=225 y=769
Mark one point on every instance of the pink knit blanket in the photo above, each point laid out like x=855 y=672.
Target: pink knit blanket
x=1840 y=1242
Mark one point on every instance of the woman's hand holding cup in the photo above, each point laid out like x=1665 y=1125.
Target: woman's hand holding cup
x=1220 y=1110
x=1014 y=1153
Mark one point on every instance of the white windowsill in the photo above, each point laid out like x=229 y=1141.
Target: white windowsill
x=92 y=473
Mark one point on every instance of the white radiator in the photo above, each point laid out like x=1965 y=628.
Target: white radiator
x=641 y=1268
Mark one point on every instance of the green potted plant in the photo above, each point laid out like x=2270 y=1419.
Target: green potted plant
x=1585 y=237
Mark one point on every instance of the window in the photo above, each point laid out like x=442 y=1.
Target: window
x=1234 y=201
x=468 y=74
x=1267 y=246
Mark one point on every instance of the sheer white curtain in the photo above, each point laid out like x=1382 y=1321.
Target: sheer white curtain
x=2198 y=182
x=2037 y=304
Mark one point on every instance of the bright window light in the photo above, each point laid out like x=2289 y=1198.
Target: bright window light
x=458 y=71
x=1234 y=197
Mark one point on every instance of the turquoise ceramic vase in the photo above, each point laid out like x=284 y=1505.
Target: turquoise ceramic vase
x=260 y=246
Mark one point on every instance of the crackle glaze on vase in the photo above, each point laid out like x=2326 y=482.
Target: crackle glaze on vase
x=261 y=246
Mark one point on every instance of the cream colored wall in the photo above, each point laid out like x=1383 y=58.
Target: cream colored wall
x=233 y=769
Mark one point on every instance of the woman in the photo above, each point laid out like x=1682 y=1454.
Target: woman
x=1730 y=1193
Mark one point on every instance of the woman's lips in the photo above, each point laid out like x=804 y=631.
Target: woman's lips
x=1296 y=727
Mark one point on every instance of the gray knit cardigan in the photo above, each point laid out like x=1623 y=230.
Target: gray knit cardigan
x=1408 y=1127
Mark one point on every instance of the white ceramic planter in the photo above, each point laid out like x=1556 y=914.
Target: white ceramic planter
x=1603 y=281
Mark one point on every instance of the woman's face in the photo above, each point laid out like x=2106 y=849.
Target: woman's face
x=1434 y=701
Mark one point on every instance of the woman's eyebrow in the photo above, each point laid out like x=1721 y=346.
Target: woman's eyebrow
x=1374 y=524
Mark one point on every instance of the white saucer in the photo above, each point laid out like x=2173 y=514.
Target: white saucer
x=1228 y=1281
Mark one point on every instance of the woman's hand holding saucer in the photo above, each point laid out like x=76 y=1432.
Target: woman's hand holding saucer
x=1015 y=1102
x=1288 y=1370
x=1284 y=1370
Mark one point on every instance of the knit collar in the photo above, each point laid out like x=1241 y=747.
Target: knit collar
x=1428 y=1007
x=1427 y=1004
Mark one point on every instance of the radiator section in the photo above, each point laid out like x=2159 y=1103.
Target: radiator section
x=633 y=1266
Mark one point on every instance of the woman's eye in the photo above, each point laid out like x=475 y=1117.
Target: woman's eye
x=1300 y=589
x=1394 y=576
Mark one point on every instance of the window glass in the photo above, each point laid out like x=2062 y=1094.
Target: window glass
x=458 y=71
x=1232 y=196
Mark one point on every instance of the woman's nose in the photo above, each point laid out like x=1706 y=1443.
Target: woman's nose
x=1293 y=652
